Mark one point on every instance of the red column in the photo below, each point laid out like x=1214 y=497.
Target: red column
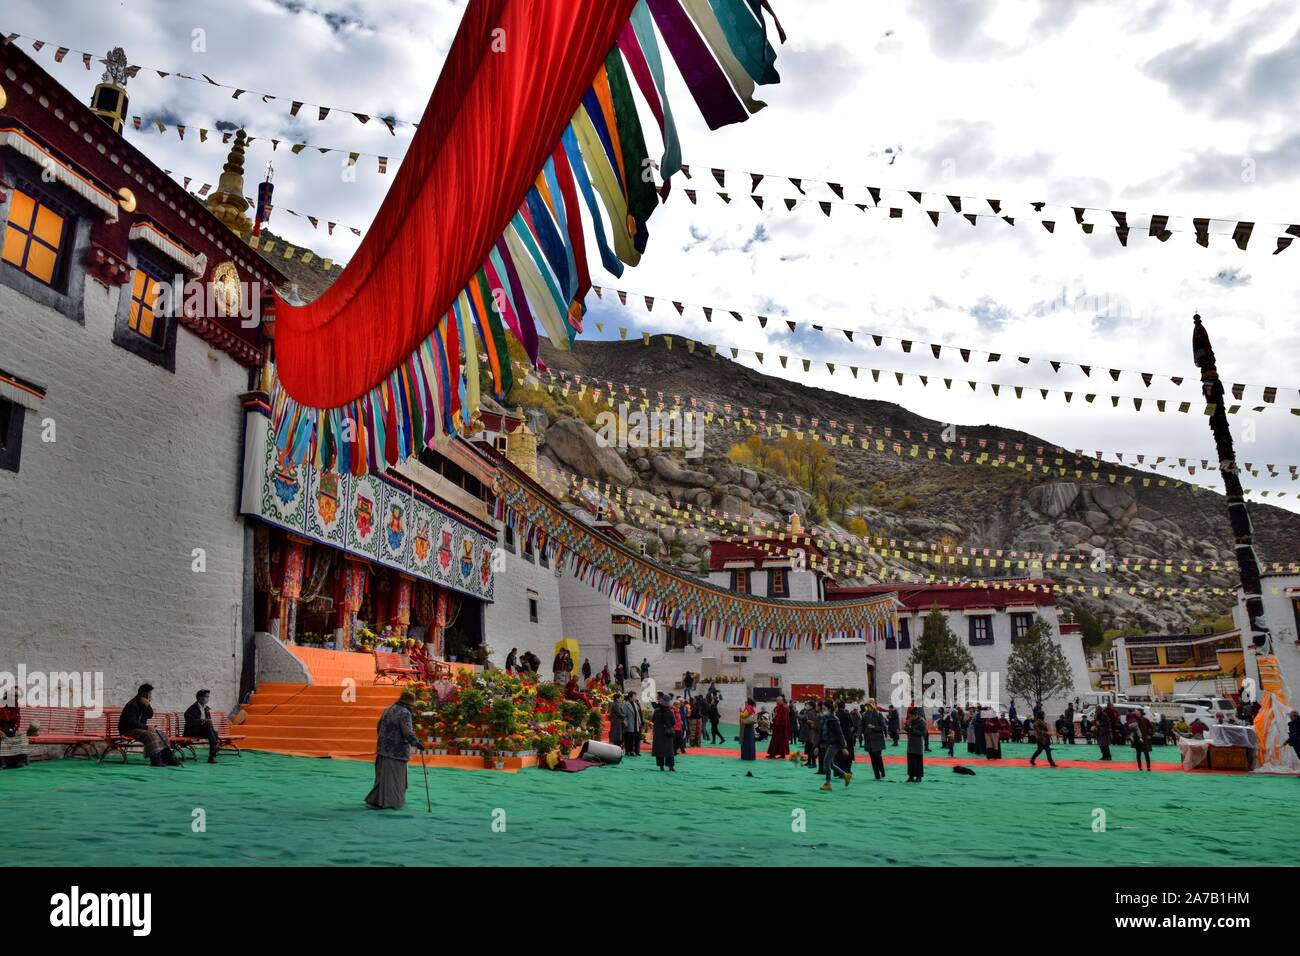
x=401 y=606
x=291 y=587
x=352 y=585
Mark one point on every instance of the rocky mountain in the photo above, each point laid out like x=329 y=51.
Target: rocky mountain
x=963 y=504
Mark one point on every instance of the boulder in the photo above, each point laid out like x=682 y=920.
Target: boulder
x=1097 y=520
x=731 y=505
x=693 y=538
x=1115 y=500
x=574 y=444
x=1072 y=532
x=749 y=478
x=1053 y=499
x=669 y=470
x=736 y=491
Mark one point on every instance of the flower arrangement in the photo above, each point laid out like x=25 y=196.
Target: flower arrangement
x=495 y=714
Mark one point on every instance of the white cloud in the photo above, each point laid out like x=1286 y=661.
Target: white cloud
x=1149 y=107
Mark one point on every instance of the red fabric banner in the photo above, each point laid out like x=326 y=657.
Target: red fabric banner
x=513 y=79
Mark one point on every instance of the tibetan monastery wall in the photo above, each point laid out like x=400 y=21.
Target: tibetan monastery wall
x=98 y=528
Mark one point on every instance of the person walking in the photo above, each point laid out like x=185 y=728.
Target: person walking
x=892 y=723
x=1143 y=731
x=1103 y=732
x=846 y=725
x=394 y=739
x=873 y=738
x=715 y=717
x=1043 y=736
x=810 y=727
x=833 y=748
x=586 y=669
x=915 y=746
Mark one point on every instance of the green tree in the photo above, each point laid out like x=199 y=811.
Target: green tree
x=938 y=648
x=1037 y=669
x=1089 y=627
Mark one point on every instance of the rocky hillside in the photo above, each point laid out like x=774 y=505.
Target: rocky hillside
x=964 y=504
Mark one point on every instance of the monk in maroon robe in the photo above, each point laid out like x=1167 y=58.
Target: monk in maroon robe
x=779 y=747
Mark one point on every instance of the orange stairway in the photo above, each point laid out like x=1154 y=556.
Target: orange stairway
x=315 y=720
x=333 y=667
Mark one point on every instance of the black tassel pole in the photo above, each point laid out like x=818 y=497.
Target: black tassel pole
x=1238 y=515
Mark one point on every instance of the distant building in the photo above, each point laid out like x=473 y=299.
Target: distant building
x=1281 y=596
x=986 y=620
x=1158 y=666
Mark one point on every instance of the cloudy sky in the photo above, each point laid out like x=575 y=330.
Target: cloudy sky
x=1184 y=109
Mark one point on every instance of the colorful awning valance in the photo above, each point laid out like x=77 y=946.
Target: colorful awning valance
x=660 y=594
x=533 y=123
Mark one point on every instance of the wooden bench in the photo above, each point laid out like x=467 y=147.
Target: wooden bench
x=65 y=727
x=389 y=668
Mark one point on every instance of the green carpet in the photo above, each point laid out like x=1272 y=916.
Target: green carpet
x=267 y=809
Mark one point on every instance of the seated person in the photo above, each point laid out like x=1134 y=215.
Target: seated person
x=198 y=724
x=10 y=717
x=1198 y=728
x=134 y=723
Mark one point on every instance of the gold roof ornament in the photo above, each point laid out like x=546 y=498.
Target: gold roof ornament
x=796 y=527
x=227 y=201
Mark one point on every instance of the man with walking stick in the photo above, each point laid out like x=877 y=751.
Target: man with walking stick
x=394 y=740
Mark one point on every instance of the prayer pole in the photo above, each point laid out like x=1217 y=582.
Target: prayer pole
x=1238 y=515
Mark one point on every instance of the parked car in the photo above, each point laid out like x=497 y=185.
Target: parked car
x=1211 y=706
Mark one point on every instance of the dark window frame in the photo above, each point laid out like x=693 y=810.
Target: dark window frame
x=977 y=623
x=778 y=576
x=68 y=295
x=1021 y=622
x=1144 y=650
x=160 y=349
x=738 y=575
x=13 y=417
x=534 y=609
x=904 y=634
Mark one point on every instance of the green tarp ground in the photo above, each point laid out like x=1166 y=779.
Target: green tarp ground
x=266 y=809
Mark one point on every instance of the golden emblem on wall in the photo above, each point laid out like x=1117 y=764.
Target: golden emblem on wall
x=226 y=289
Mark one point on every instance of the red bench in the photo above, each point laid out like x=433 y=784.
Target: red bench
x=390 y=668
x=220 y=723
x=115 y=743
x=64 y=727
